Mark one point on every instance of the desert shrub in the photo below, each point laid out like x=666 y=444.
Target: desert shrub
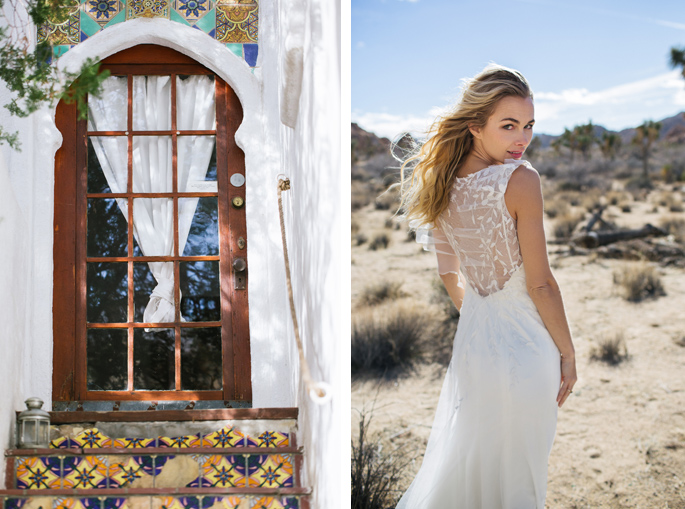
x=611 y=350
x=374 y=472
x=375 y=294
x=360 y=239
x=639 y=282
x=389 y=340
x=639 y=182
x=380 y=241
x=591 y=200
x=674 y=226
x=625 y=207
x=389 y=199
x=567 y=185
x=616 y=197
x=680 y=341
x=556 y=208
x=362 y=194
x=411 y=235
x=671 y=201
x=565 y=225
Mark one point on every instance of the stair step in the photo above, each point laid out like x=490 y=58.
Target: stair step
x=182 y=498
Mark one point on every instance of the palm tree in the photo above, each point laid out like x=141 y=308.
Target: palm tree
x=678 y=59
x=645 y=136
x=610 y=145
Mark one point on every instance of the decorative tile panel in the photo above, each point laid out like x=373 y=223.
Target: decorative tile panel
x=92 y=439
x=35 y=473
x=223 y=472
x=148 y=9
x=75 y=503
x=84 y=472
x=269 y=439
x=133 y=443
x=270 y=471
x=231 y=502
x=237 y=22
x=101 y=11
x=193 y=10
x=176 y=502
x=275 y=503
x=63 y=32
x=182 y=442
x=124 y=471
x=225 y=437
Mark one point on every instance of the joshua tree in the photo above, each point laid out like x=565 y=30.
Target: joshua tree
x=584 y=135
x=678 y=59
x=645 y=136
x=533 y=147
x=610 y=145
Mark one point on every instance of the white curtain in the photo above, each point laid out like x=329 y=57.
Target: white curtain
x=153 y=221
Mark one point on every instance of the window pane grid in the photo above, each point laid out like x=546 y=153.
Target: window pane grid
x=133 y=370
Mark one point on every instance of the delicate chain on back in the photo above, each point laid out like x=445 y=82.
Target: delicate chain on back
x=480 y=229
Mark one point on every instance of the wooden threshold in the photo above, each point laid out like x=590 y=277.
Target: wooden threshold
x=222 y=414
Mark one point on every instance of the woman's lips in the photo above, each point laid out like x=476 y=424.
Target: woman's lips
x=516 y=155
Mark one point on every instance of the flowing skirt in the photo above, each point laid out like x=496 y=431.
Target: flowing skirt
x=496 y=417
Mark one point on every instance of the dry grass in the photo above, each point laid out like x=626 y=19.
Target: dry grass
x=389 y=340
x=390 y=199
x=671 y=201
x=380 y=241
x=556 y=207
x=639 y=282
x=381 y=292
x=611 y=349
x=565 y=226
x=674 y=226
x=360 y=239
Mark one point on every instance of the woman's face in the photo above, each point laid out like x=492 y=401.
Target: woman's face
x=507 y=132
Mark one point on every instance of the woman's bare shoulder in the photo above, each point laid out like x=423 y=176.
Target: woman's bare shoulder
x=523 y=190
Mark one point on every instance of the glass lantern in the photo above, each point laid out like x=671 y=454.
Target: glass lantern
x=34 y=426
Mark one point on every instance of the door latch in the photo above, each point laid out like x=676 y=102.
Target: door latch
x=239 y=273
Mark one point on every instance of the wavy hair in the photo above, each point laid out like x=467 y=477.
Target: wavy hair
x=434 y=164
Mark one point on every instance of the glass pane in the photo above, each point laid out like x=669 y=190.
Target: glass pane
x=153 y=226
x=144 y=283
x=200 y=296
x=107 y=292
x=195 y=108
x=107 y=359
x=108 y=112
x=203 y=236
x=151 y=103
x=197 y=164
x=107 y=164
x=201 y=359
x=107 y=228
x=152 y=170
x=153 y=360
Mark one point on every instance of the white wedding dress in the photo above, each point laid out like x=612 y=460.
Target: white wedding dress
x=496 y=417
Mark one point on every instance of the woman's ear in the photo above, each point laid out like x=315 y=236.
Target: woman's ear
x=475 y=131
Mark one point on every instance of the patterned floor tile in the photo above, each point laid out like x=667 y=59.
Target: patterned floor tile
x=224 y=472
x=232 y=502
x=35 y=473
x=270 y=471
x=84 y=472
x=182 y=442
x=225 y=437
x=269 y=439
x=127 y=470
x=275 y=503
x=76 y=503
x=176 y=503
x=92 y=439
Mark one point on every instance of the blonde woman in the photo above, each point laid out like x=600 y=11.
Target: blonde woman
x=478 y=205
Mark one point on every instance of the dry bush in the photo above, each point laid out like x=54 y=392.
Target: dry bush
x=671 y=201
x=375 y=473
x=380 y=292
x=556 y=207
x=616 y=197
x=680 y=342
x=380 y=241
x=390 y=199
x=360 y=239
x=389 y=340
x=674 y=226
x=565 y=226
x=591 y=200
x=611 y=350
x=625 y=207
x=639 y=282
x=362 y=194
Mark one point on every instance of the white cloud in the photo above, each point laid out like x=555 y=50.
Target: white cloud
x=615 y=108
x=360 y=45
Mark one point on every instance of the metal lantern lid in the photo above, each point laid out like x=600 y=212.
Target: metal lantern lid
x=35 y=411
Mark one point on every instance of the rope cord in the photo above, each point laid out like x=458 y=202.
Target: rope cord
x=318 y=391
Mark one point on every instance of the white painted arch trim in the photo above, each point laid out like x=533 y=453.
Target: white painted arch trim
x=271 y=365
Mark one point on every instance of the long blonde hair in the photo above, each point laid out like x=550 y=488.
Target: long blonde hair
x=434 y=165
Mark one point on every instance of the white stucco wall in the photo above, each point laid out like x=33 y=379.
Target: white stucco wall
x=317 y=222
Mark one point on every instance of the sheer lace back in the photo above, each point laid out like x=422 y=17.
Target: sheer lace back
x=476 y=233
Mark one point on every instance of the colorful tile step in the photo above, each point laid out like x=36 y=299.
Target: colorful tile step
x=154 y=469
x=295 y=499
x=228 y=436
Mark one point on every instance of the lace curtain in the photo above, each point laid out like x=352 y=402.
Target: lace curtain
x=153 y=221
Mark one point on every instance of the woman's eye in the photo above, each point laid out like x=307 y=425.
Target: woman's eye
x=529 y=126
x=508 y=126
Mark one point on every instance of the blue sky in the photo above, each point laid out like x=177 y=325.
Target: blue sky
x=604 y=60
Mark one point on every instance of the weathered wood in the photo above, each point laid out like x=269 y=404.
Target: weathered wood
x=593 y=240
x=175 y=415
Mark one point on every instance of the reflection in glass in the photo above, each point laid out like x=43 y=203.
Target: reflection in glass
x=107 y=353
x=197 y=164
x=153 y=225
x=143 y=284
x=107 y=299
x=107 y=228
x=200 y=296
x=203 y=237
x=152 y=170
x=107 y=164
x=151 y=103
x=201 y=359
x=153 y=360
x=108 y=112
x=195 y=108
